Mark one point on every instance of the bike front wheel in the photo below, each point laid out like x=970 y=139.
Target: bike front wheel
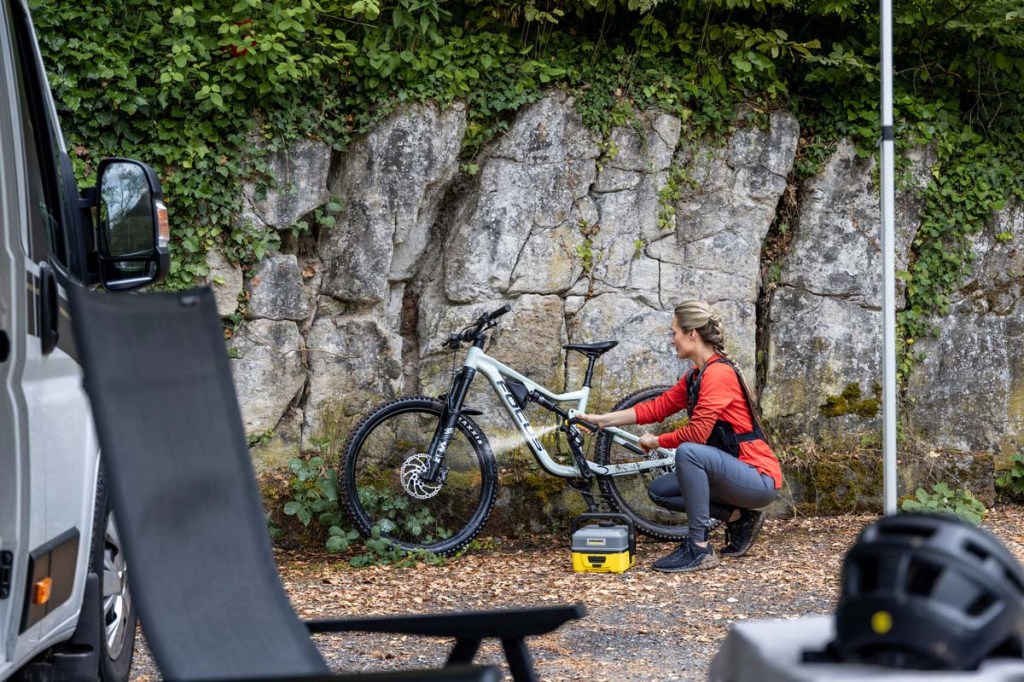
x=628 y=494
x=384 y=494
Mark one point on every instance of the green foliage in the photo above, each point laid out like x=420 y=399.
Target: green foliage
x=314 y=493
x=177 y=88
x=672 y=192
x=1011 y=481
x=943 y=500
x=973 y=178
x=638 y=248
x=325 y=216
x=314 y=501
x=256 y=438
x=191 y=88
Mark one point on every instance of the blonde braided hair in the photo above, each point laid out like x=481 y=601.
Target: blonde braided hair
x=698 y=316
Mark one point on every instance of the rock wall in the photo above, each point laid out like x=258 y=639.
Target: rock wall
x=585 y=247
x=825 y=317
x=968 y=394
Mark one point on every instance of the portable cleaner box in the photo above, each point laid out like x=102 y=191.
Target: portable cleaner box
x=609 y=546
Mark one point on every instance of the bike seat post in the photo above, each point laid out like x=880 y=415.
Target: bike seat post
x=591 y=361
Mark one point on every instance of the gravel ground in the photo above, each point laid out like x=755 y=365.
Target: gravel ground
x=641 y=624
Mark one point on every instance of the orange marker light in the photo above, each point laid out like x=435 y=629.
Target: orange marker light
x=164 y=232
x=43 y=589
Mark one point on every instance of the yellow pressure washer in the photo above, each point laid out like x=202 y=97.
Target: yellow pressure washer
x=608 y=547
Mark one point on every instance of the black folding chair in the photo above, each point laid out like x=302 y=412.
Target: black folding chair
x=190 y=517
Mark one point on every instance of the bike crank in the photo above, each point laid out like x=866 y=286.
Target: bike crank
x=412 y=470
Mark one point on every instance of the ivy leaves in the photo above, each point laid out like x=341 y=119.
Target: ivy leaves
x=971 y=181
x=192 y=88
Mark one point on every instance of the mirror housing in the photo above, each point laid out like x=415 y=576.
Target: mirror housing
x=131 y=224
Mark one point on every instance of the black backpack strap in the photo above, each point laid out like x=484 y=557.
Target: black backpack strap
x=757 y=433
x=693 y=384
x=693 y=391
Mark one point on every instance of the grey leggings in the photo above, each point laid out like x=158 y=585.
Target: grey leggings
x=708 y=480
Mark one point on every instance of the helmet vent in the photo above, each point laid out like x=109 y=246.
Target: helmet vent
x=1010 y=648
x=922 y=576
x=981 y=604
x=867 y=575
x=1014 y=580
x=976 y=550
x=911 y=529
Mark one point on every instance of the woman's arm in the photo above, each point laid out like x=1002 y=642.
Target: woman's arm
x=618 y=418
x=668 y=403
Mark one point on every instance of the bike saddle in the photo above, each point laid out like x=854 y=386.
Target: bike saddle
x=592 y=350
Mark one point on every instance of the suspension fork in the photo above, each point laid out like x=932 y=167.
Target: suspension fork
x=446 y=423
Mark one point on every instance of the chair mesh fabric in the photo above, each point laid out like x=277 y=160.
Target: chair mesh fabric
x=180 y=478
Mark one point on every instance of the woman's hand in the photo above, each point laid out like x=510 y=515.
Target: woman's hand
x=649 y=441
x=595 y=419
x=603 y=421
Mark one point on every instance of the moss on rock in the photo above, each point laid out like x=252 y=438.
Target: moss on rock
x=833 y=483
x=852 y=401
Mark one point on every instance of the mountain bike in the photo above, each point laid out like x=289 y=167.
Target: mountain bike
x=419 y=472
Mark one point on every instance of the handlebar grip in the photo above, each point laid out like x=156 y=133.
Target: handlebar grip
x=498 y=313
x=587 y=425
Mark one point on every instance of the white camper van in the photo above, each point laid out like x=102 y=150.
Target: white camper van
x=65 y=605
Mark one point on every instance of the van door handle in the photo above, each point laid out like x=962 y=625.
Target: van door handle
x=5 y=346
x=49 y=309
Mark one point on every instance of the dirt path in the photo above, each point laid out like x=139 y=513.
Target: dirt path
x=642 y=625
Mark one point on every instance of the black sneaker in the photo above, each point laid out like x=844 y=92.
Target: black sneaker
x=687 y=557
x=740 y=534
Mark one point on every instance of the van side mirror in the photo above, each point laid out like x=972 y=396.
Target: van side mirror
x=132 y=226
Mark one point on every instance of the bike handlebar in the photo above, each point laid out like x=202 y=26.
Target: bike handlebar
x=496 y=314
x=593 y=428
x=470 y=332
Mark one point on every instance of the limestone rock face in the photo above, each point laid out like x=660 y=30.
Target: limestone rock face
x=825 y=327
x=300 y=186
x=268 y=371
x=968 y=393
x=520 y=231
x=226 y=281
x=584 y=248
x=530 y=337
x=277 y=290
x=729 y=197
x=354 y=365
x=590 y=243
x=391 y=184
x=628 y=204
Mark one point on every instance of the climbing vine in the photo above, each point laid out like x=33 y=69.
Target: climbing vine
x=204 y=89
x=972 y=179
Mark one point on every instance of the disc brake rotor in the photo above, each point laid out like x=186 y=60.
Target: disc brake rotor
x=415 y=466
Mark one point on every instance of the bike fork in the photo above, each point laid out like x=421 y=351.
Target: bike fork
x=446 y=423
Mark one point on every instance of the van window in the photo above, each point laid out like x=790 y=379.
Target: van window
x=51 y=225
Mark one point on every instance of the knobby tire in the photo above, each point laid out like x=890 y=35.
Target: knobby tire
x=398 y=434
x=628 y=494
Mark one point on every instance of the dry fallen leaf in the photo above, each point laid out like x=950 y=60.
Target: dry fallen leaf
x=674 y=622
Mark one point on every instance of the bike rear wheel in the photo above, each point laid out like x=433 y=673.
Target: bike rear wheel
x=628 y=494
x=382 y=491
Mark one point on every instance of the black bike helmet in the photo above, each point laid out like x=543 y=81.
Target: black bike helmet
x=929 y=592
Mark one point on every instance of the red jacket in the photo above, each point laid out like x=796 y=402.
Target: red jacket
x=720 y=397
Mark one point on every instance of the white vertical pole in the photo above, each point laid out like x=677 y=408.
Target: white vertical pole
x=888 y=268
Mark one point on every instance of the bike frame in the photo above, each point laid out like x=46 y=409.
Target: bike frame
x=496 y=373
